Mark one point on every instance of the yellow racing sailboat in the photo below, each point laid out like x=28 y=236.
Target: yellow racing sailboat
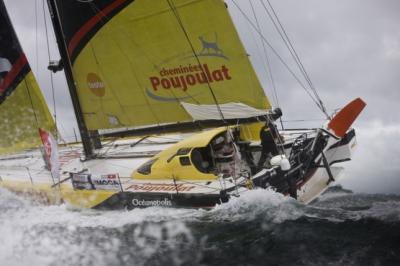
x=168 y=88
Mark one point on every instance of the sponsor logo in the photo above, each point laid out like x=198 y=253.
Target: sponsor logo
x=183 y=77
x=147 y=203
x=160 y=187
x=82 y=181
x=108 y=182
x=210 y=48
x=50 y=153
x=167 y=99
x=110 y=176
x=80 y=177
x=95 y=84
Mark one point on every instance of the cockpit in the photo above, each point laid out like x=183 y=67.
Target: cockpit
x=202 y=156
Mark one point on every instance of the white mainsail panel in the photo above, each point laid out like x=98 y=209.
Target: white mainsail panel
x=228 y=110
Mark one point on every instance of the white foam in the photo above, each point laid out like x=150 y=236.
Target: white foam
x=342 y=206
x=55 y=235
x=259 y=203
x=388 y=211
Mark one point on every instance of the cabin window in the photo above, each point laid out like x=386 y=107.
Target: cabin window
x=145 y=169
x=183 y=151
x=184 y=160
x=201 y=159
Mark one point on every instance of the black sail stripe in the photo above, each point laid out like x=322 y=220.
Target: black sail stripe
x=82 y=20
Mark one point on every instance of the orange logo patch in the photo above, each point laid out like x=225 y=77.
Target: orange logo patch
x=96 y=85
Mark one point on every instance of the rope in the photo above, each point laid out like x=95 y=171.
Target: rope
x=267 y=63
x=36 y=37
x=36 y=121
x=294 y=54
x=51 y=74
x=279 y=57
x=175 y=11
x=32 y=105
x=105 y=18
x=265 y=53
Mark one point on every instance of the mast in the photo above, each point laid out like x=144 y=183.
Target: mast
x=144 y=86
x=66 y=62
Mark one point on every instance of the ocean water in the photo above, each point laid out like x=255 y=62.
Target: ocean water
x=259 y=228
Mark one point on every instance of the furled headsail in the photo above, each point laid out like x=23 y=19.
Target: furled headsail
x=136 y=62
x=22 y=107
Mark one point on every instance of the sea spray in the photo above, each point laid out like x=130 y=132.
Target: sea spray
x=258 y=228
x=54 y=235
x=260 y=203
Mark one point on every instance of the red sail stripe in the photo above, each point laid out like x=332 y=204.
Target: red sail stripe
x=13 y=73
x=90 y=24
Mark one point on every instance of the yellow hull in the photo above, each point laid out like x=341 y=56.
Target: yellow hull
x=46 y=194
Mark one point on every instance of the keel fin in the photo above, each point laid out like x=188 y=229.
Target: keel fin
x=343 y=120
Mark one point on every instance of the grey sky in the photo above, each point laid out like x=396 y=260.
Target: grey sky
x=350 y=48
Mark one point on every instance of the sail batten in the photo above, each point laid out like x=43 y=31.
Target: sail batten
x=133 y=64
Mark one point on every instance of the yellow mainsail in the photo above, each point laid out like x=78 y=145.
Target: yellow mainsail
x=134 y=62
x=22 y=106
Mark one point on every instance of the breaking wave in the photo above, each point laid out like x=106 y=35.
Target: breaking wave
x=260 y=227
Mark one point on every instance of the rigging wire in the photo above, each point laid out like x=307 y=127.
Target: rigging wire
x=36 y=36
x=278 y=56
x=267 y=62
x=35 y=115
x=303 y=120
x=178 y=18
x=97 y=10
x=51 y=74
x=105 y=18
x=32 y=105
x=287 y=42
x=293 y=52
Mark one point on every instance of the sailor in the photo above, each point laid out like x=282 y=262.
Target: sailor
x=269 y=136
x=224 y=153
